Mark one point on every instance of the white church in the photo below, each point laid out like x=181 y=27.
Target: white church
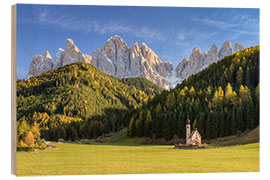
x=193 y=138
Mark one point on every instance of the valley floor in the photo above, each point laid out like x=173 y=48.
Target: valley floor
x=70 y=159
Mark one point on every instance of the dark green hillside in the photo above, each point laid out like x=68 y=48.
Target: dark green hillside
x=75 y=101
x=143 y=84
x=221 y=100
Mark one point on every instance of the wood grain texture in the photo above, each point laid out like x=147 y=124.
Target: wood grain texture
x=13 y=88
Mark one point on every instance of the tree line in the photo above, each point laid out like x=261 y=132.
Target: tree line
x=221 y=100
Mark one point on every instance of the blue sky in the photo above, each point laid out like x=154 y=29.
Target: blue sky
x=172 y=32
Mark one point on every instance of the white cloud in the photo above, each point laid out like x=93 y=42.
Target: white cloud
x=216 y=23
x=187 y=38
x=94 y=26
x=240 y=24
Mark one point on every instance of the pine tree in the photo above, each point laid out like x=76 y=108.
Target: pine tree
x=181 y=96
x=233 y=123
x=239 y=75
x=209 y=92
x=247 y=77
x=239 y=117
x=170 y=101
x=221 y=96
x=131 y=127
x=208 y=127
x=181 y=125
x=221 y=123
x=166 y=128
x=61 y=133
x=22 y=129
x=74 y=134
x=257 y=91
x=158 y=108
x=148 y=124
x=245 y=95
x=194 y=124
x=215 y=100
x=139 y=125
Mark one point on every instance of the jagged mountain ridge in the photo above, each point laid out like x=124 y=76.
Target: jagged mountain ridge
x=199 y=61
x=117 y=59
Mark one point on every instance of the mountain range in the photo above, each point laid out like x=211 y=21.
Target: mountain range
x=121 y=61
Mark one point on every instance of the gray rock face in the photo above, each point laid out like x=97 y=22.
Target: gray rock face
x=135 y=60
x=113 y=57
x=88 y=59
x=72 y=53
x=199 y=61
x=181 y=66
x=225 y=50
x=40 y=64
x=58 y=61
x=118 y=60
x=167 y=66
x=44 y=63
x=212 y=55
x=238 y=47
x=190 y=66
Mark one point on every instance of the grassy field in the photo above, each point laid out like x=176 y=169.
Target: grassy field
x=124 y=159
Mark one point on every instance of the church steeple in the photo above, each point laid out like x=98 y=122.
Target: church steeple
x=188 y=132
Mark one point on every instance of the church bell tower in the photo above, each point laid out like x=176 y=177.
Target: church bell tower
x=188 y=132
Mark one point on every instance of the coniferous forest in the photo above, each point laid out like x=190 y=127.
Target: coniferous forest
x=219 y=101
x=79 y=101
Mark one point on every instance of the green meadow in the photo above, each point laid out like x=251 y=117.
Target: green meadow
x=71 y=159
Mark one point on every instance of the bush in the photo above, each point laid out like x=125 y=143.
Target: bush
x=25 y=148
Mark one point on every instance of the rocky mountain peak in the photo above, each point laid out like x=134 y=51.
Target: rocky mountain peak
x=168 y=66
x=196 y=50
x=227 y=43
x=212 y=55
x=181 y=66
x=135 y=46
x=69 y=43
x=58 y=60
x=225 y=50
x=72 y=53
x=70 y=46
x=238 y=47
x=40 y=64
x=117 y=59
x=47 y=55
x=213 y=48
x=185 y=59
x=144 y=46
x=115 y=38
x=115 y=42
x=199 y=61
x=196 y=55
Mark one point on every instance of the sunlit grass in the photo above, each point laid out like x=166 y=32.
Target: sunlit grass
x=123 y=159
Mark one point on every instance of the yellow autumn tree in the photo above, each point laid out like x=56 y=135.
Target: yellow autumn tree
x=230 y=96
x=29 y=139
x=240 y=75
